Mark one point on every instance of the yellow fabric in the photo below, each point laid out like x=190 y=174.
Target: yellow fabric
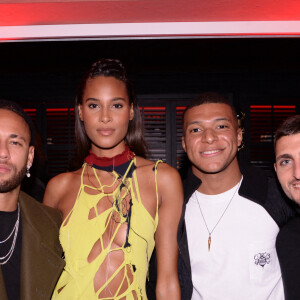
x=84 y=226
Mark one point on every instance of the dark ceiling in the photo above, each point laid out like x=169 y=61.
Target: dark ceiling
x=155 y=54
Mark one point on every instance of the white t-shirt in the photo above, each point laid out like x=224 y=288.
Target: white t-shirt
x=242 y=262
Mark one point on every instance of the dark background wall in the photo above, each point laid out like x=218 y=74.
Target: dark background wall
x=166 y=73
x=30 y=70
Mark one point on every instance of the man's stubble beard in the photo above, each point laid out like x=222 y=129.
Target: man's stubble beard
x=10 y=184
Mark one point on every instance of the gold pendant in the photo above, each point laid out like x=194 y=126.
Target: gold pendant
x=209 y=242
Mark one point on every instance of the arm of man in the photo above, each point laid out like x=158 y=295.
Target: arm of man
x=171 y=198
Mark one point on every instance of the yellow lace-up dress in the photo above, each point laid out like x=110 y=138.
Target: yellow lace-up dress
x=107 y=251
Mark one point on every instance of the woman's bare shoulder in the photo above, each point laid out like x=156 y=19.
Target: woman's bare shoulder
x=165 y=171
x=143 y=162
x=145 y=166
x=64 y=179
x=59 y=186
x=162 y=167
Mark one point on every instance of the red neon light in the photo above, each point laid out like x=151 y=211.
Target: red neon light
x=59 y=109
x=154 y=108
x=260 y=106
x=284 y=106
x=30 y=109
x=274 y=106
x=261 y=110
x=283 y=111
x=87 y=12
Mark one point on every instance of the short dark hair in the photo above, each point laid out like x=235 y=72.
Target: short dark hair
x=210 y=97
x=289 y=126
x=17 y=109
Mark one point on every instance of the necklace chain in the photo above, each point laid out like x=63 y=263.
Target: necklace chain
x=4 y=259
x=211 y=231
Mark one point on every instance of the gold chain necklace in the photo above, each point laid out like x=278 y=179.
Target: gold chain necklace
x=211 y=231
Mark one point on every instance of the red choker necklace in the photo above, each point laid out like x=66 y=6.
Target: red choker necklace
x=104 y=162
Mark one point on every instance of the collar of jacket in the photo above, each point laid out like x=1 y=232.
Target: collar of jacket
x=258 y=187
x=190 y=184
x=254 y=185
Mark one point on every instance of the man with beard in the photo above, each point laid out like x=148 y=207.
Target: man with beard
x=30 y=253
x=287 y=167
x=231 y=214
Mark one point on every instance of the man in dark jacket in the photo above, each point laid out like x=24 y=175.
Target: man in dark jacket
x=30 y=253
x=231 y=215
x=287 y=166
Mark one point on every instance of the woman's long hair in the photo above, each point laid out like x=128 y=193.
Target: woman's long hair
x=134 y=137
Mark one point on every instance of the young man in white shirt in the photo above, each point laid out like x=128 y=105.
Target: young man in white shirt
x=231 y=215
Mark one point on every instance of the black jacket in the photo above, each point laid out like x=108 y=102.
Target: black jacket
x=257 y=187
x=288 y=249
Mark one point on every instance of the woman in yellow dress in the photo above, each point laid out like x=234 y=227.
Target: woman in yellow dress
x=118 y=205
